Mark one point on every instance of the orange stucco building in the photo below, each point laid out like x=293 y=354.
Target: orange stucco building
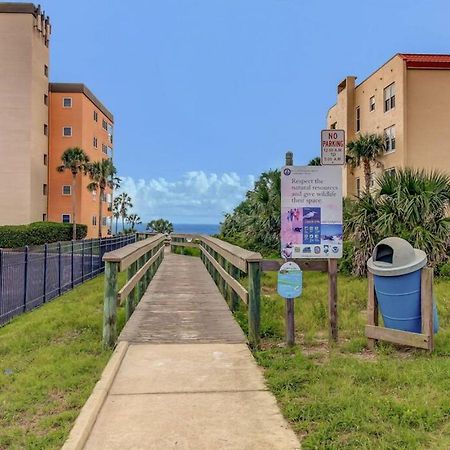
x=77 y=119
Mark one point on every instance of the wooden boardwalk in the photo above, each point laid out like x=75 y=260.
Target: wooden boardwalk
x=182 y=376
x=182 y=305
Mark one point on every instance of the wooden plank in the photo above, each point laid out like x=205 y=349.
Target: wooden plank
x=235 y=255
x=427 y=305
x=184 y=244
x=132 y=252
x=235 y=285
x=307 y=265
x=254 y=302
x=397 y=336
x=332 y=300
x=132 y=282
x=372 y=307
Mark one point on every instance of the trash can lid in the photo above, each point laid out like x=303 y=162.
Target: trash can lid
x=394 y=256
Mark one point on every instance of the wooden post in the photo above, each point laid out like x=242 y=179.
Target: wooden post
x=234 y=301
x=129 y=303
x=290 y=322
x=254 y=299
x=372 y=308
x=110 y=305
x=332 y=299
x=427 y=305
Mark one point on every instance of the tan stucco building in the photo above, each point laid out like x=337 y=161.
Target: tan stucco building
x=38 y=121
x=24 y=56
x=408 y=101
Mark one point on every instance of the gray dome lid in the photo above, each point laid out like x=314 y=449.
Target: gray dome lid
x=394 y=256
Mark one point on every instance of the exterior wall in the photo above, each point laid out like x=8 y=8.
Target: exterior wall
x=428 y=119
x=84 y=128
x=22 y=116
x=344 y=115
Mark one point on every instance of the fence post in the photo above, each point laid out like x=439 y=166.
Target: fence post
x=71 y=265
x=235 y=273
x=82 y=261
x=110 y=304
x=254 y=299
x=100 y=254
x=25 y=279
x=332 y=299
x=1 y=275
x=130 y=301
x=45 y=272
x=59 y=268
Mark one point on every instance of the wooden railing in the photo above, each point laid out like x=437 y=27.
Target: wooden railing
x=226 y=264
x=141 y=260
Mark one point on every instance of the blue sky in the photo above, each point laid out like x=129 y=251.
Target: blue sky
x=207 y=94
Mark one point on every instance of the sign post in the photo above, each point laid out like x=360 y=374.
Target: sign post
x=332 y=145
x=312 y=221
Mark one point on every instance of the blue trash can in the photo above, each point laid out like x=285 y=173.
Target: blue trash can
x=396 y=267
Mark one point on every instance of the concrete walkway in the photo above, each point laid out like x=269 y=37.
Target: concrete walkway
x=182 y=376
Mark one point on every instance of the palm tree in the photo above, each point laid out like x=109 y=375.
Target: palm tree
x=160 y=226
x=315 y=161
x=133 y=220
x=366 y=150
x=75 y=160
x=116 y=212
x=123 y=203
x=102 y=175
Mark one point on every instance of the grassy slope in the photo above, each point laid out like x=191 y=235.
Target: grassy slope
x=50 y=359
x=346 y=397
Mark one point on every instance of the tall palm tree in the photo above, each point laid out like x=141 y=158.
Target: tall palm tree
x=366 y=150
x=124 y=203
x=133 y=220
x=116 y=211
x=102 y=176
x=160 y=226
x=76 y=161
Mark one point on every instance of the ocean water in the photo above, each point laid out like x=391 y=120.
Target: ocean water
x=197 y=228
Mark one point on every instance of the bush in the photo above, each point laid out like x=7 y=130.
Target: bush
x=38 y=233
x=346 y=262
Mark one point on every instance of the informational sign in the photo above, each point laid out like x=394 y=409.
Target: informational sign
x=332 y=144
x=311 y=212
x=290 y=280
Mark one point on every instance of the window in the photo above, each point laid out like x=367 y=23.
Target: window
x=67 y=131
x=390 y=171
x=109 y=151
x=45 y=129
x=358 y=187
x=67 y=189
x=104 y=221
x=45 y=99
x=372 y=103
x=389 y=139
x=105 y=148
x=333 y=125
x=105 y=124
x=44 y=189
x=103 y=197
x=67 y=102
x=94 y=220
x=45 y=159
x=95 y=116
x=389 y=97
x=95 y=142
x=65 y=218
x=358 y=119
x=46 y=70
x=44 y=217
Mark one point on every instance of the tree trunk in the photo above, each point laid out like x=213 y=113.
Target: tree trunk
x=100 y=218
x=123 y=224
x=367 y=174
x=117 y=223
x=74 y=207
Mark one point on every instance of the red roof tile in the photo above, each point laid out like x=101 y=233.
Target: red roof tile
x=425 y=61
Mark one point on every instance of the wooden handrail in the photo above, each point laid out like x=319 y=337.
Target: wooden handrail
x=127 y=255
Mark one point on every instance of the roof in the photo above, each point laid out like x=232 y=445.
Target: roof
x=425 y=61
x=73 y=88
x=19 y=8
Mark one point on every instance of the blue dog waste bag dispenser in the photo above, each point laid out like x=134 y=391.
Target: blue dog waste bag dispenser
x=396 y=267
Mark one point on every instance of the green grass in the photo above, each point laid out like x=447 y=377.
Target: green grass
x=346 y=397
x=50 y=359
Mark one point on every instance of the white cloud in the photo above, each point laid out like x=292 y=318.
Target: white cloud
x=197 y=197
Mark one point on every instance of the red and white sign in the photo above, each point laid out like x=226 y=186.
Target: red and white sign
x=332 y=145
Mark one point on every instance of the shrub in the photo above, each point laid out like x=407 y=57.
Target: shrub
x=38 y=233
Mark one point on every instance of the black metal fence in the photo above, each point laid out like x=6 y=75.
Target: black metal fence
x=32 y=276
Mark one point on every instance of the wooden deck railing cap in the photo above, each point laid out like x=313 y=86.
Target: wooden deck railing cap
x=121 y=253
x=240 y=252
